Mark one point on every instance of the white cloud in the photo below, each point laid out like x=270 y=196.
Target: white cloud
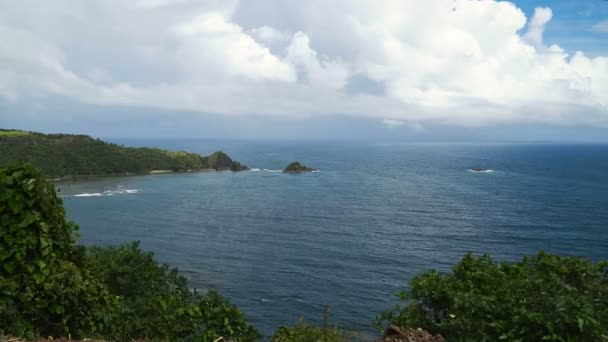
x=212 y=44
x=269 y=35
x=153 y=4
x=318 y=73
x=472 y=66
x=536 y=27
x=391 y=123
x=602 y=26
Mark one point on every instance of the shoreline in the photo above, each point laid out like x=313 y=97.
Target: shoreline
x=127 y=174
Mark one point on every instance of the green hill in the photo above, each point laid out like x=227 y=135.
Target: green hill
x=64 y=155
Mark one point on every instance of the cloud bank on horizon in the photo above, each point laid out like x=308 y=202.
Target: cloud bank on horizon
x=456 y=62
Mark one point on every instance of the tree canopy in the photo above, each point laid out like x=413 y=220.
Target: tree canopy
x=546 y=297
x=60 y=155
x=49 y=286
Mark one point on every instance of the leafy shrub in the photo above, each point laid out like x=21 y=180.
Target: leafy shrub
x=42 y=291
x=220 y=318
x=303 y=331
x=156 y=302
x=546 y=297
x=51 y=287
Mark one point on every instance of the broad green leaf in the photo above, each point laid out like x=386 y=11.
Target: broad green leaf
x=9 y=267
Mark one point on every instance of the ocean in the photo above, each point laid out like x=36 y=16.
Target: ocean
x=282 y=246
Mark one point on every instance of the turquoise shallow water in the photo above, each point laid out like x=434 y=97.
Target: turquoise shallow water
x=351 y=236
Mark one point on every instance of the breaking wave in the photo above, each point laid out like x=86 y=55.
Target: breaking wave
x=118 y=191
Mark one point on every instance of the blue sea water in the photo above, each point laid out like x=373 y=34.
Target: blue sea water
x=282 y=246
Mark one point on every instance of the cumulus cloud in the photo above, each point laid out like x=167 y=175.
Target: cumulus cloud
x=472 y=66
x=212 y=44
x=536 y=27
x=318 y=73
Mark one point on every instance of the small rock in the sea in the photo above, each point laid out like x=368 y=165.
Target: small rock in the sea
x=296 y=167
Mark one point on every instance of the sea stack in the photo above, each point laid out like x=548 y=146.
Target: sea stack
x=296 y=167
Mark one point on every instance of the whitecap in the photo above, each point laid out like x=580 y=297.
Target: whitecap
x=254 y=169
x=481 y=171
x=269 y=170
x=86 y=194
x=118 y=191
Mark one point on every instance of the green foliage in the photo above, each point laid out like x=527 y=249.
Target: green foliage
x=220 y=161
x=60 y=155
x=8 y=132
x=156 y=302
x=546 y=297
x=305 y=332
x=42 y=291
x=220 y=318
x=51 y=287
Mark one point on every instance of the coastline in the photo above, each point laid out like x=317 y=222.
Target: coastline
x=126 y=174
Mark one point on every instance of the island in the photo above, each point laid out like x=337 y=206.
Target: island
x=296 y=167
x=63 y=156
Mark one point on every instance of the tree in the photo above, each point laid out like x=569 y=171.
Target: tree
x=546 y=297
x=49 y=286
x=42 y=290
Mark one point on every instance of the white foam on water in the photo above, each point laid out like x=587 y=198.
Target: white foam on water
x=118 y=191
x=254 y=169
x=272 y=171
x=86 y=194
x=482 y=171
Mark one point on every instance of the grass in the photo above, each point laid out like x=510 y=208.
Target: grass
x=13 y=133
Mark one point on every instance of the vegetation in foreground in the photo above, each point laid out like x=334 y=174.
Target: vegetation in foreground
x=61 y=155
x=541 y=298
x=49 y=286
x=303 y=331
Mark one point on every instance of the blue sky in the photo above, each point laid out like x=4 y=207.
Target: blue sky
x=315 y=69
x=571 y=26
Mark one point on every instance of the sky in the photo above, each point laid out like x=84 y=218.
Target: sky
x=277 y=69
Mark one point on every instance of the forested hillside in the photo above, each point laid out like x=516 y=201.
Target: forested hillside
x=60 y=155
